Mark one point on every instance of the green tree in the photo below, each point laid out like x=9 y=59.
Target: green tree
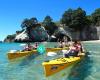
x=75 y=19
x=11 y=36
x=78 y=19
x=49 y=25
x=33 y=22
x=89 y=20
x=96 y=17
x=28 y=24
x=67 y=17
x=25 y=24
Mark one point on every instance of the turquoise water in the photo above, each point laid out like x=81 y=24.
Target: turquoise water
x=30 y=68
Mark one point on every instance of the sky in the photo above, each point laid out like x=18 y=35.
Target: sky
x=13 y=12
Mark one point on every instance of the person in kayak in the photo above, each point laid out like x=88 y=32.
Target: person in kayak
x=65 y=42
x=28 y=47
x=81 y=49
x=35 y=45
x=79 y=46
x=74 y=49
x=61 y=44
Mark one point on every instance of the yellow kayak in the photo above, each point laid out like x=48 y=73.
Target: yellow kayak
x=53 y=66
x=18 y=54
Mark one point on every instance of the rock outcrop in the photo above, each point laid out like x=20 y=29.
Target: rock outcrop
x=88 y=33
x=37 y=34
x=22 y=37
x=60 y=34
x=10 y=38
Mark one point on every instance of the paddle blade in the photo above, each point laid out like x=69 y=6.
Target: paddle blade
x=41 y=49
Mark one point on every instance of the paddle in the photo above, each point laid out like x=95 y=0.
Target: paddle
x=41 y=49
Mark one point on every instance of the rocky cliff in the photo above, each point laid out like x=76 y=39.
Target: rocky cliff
x=40 y=34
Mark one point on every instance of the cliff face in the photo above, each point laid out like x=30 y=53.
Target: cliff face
x=37 y=34
x=98 y=32
x=88 y=33
x=40 y=34
x=21 y=37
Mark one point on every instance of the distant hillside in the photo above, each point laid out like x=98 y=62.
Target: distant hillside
x=10 y=38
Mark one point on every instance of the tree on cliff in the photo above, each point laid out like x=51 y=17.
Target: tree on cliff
x=49 y=25
x=10 y=38
x=75 y=19
x=28 y=24
x=89 y=20
x=67 y=17
x=96 y=17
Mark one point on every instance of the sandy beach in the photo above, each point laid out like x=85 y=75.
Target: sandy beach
x=96 y=41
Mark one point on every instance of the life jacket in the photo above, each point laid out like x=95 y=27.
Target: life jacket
x=79 y=47
x=74 y=48
x=36 y=45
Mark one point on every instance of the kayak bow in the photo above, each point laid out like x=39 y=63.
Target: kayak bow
x=53 y=66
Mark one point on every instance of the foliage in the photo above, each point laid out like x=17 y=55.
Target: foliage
x=49 y=25
x=75 y=19
x=67 y=17
x=89 y=20
x=27 y=23
x=11 y=36
x=96 y=17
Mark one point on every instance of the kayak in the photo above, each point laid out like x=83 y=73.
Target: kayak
x=52 y=67
x=18 y=54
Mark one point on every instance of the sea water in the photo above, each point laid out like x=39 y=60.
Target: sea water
x=30 y=68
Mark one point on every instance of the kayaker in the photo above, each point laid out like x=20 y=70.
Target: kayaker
x=79 y=45
x=81 y=48
x=61 y=44
x=35 y=45
x=74 y=49
x=28 y=47
x=65 y=42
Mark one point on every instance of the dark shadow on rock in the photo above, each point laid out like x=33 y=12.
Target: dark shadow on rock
x=81 y=70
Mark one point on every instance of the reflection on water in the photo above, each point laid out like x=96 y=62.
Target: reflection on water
x=82 y=70
x=28 y=59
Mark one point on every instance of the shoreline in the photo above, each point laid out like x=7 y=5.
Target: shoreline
x=92 y=41
x=47 y=41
